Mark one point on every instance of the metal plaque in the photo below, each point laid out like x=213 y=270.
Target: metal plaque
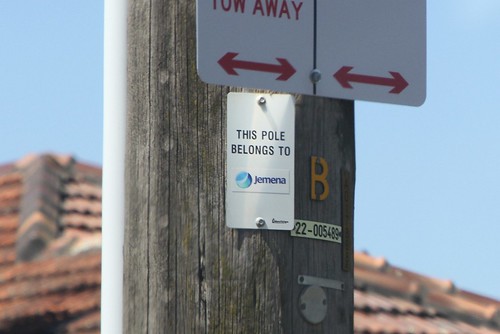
x=260 y=161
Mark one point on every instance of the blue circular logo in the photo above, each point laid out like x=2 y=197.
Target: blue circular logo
x=244 y=180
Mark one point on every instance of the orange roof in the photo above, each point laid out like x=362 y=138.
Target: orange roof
x=50 y=240
x=388 y=299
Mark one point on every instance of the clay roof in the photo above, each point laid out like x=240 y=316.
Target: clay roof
x=50 y=240
x=389 y=299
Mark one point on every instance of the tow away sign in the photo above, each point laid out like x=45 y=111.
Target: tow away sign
x=349 y=49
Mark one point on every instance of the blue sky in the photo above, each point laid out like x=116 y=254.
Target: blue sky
x=428 y=178
x=51 y=78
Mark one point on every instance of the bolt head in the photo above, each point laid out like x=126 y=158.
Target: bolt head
x=315 y=76
x=260 y=222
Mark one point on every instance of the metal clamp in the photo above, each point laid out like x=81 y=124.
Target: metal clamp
x=313 y=301
x=322 y=282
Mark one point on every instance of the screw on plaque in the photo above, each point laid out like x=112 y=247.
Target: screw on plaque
x=260 y=222
x=261 y=100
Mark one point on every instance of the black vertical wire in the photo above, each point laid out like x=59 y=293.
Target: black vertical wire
x=315 y=41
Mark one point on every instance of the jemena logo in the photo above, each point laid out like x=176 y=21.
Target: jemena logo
x=244 y=180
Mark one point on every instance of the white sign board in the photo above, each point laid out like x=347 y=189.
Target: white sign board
x=359 y=49
x=260 y=161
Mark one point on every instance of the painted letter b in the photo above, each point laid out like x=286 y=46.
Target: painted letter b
x=319 y=178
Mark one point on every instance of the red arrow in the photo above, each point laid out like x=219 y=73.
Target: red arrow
x=344 y=77
x=229 y=64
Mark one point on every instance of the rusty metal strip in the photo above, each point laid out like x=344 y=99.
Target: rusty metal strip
x=322 y=282
x=347 y=222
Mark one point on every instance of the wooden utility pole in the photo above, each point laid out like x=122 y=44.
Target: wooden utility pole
x=185 y=271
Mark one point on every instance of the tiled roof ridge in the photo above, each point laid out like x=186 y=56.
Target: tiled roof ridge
x=380 y=264
x=43 y=187
x=468 y=310
x=50 y=258
x=437 y=296
x=28 y=159
x=380 y=282
x=365 y=260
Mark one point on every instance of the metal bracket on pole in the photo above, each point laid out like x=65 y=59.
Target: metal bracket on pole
x=313 y=301
x=322 y=282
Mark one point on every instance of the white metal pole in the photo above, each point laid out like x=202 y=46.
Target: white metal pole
x=113 y=188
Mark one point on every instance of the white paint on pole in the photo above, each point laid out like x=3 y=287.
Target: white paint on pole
x=113 y=185
x=260 y=161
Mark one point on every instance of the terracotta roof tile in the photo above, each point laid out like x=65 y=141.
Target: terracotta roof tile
x=63 y=306
x=7 y=240
x=8 y=223
x=389 y=299
x=10 y=192
x=50 y=267
x=429 y=283
x=87 y=324
x=10 y=197
x=383 y=282
x=7 y=168
x=83 y=221
x=82 y=205
x=379 y=303
x=462 y=306
x=411 y=324
x=74 y=241
x=7 y=257
x=49 y=285
x=8 y=177
x=366 y=261
x=479 y=299
x=85 y=190
x=65 y=288
x=90 y=172
x=61 y=291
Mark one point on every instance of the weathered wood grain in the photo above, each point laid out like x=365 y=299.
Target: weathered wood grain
x=185 y=271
